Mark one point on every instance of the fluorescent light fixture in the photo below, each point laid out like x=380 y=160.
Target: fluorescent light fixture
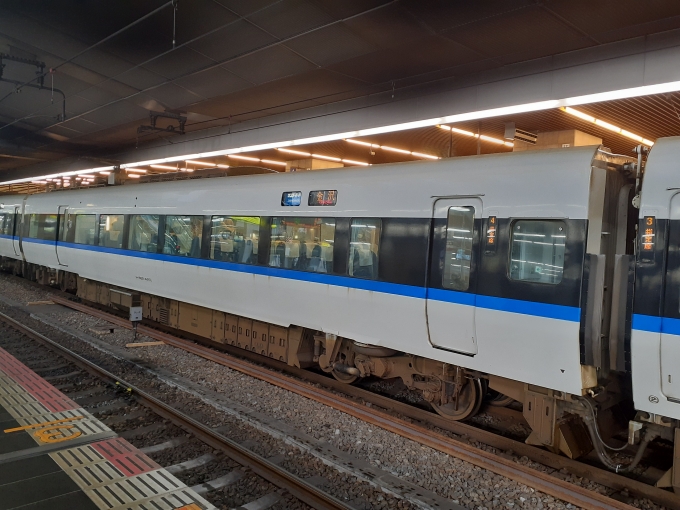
x=272 y=162
x=247 y=158
x=491 y=139
x=393 y=149
x=104 y=173
x=134 y=176
x=136 y=170
x=329 y=158
x=426 y=156
x=38 y=182
x=607 y=125
x=201 y=163
x=352 y=162
x=299 y=153
x=164 y=167
x=459 y=131
x=60 y=175
x=358 y=142
x=475 y=135
x=223 y=166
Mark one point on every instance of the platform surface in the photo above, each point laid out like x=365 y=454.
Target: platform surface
x=55 y=455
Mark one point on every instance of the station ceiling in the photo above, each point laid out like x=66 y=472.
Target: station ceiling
x=235 y=61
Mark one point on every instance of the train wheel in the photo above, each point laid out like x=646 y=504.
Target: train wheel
x=469 y=402
x=496 y=399
x=344 y=378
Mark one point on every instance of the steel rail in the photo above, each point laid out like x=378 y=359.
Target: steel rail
x=529 y=476
x=598 y=475
x=278 y=476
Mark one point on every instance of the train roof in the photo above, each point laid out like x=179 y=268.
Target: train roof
x=661 y=178
x=548 y=183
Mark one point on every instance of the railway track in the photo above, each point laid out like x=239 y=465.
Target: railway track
x=246 y=459
x=327 y=394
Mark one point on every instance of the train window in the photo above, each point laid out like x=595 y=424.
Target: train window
x=363 y=248
x=43 y=226
x=305 y=244
x=458 y=253
x=84 y=229
x=143 y=233
x=183 y=235
x=234 y=238
x=6 y=224
x=111 y=230
x=537 y=253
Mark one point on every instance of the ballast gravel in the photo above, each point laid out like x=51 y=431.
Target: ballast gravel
x=459 y=481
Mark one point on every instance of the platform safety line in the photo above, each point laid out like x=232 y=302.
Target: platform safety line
x=44 y=424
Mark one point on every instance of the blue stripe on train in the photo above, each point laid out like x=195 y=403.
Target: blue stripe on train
x=560 y=312
x=654 y=324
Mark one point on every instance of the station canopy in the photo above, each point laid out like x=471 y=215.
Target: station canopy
x=89 y=81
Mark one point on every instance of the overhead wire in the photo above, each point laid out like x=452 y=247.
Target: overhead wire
x=89 y=48
x=141 y=64
x=216 y=64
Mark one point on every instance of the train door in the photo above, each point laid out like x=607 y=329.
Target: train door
x=16 y=230
x=63 y=225
x=670 y=327
x=451 y=298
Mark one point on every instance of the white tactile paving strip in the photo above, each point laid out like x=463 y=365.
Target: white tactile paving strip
x=111 y=472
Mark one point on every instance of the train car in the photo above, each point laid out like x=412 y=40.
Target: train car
x=10 y=214
x=654 y=354
x=500 y=271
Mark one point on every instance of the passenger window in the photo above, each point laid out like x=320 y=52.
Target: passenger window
x=143 y=233
x=48 y=227
x=43 y=226
x=305 y=244
x=537 y=253
x=183 y=235
x=363 y=248
x=85 y=229
x=33 y=225
x=458 y=252
x=234 y=238
x=111 y=230
x=9 y=224
x=4 y=219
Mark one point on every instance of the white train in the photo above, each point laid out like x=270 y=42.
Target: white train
x=523 y=272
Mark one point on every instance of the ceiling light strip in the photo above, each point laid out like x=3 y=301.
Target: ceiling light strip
x=475 y=135
x=320 y=156
x=58 y=175
x=392 y=149
x=246 y=158
x=607 y=125
x=201 y=163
